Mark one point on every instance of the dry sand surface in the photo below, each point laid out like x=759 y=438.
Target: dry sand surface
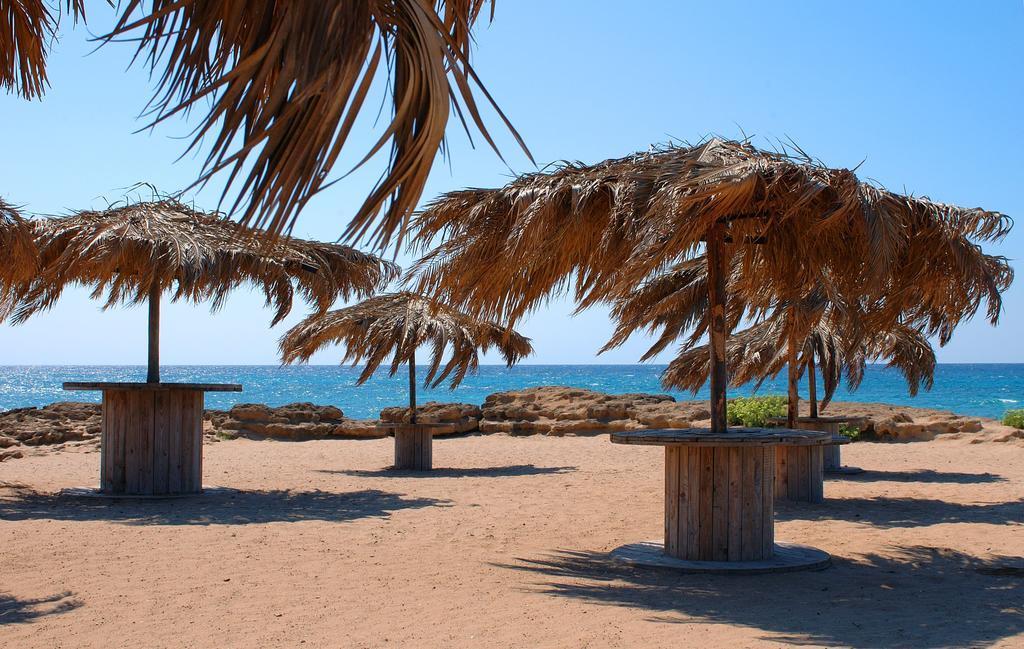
x=323 y=547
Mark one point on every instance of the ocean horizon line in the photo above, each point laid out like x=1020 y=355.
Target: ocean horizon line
x=978 y=389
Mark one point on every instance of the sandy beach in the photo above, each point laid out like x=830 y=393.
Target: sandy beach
x=506 y=545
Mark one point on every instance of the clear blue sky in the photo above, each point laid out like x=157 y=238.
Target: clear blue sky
x=927 y=94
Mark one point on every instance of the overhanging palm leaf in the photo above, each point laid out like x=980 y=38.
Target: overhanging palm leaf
x=285 y=80
x=28 y=28
x=21 y=258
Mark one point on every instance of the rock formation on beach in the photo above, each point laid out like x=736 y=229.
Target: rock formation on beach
x=548 y=410
x=292 y=421
x=558 y=410
x=65 y=423
x=452 y=418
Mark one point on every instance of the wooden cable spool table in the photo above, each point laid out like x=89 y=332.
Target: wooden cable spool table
x=833 y=462
x=719 y=501
x=152 y=438
x=414 y=444
x=799 y=471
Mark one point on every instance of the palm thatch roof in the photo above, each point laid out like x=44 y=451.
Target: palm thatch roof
x=28 y=28
x=603 y=229
x=124 y=252
x=396 y=325
x=281 y=84
x=21 y=259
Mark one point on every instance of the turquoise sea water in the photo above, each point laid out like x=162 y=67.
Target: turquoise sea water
x=972 y=389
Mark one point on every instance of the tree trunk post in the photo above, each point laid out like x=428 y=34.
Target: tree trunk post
x=716 y=316
x=413 y=442
x=794 y=392
x=412 y=388
x=812 y=384
x=153 y=366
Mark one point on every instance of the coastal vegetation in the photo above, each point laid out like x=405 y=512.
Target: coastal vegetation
x=756 y=411
x=1014 y=418
x=851 y=431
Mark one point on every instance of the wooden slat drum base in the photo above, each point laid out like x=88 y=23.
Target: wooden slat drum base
x=832 y=457
x=152 y=442
x=718 y=502
x=414 y=447
x=799 y=473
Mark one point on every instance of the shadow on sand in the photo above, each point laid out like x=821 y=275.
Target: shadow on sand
x=18 y=611
x=913 y=597
x=514 y=470
x=902 y=512
x=221 y=508
x=928 y=476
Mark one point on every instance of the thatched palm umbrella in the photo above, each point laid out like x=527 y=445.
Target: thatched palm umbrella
x=135 y=253
x=281 y=84
x=28 y=28
x=395 y=325
x=776 y=226
x=152 y=432
x=21 y=258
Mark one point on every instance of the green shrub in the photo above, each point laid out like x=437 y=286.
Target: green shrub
x=1014 y=418
x=756 y=411
x=850 y=431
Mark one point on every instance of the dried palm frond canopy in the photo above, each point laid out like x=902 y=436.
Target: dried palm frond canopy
x=396 y=325
x=21 y=259
x=776 y=227
x=137 y=252
x=285 y=80
x=28 y=28
x=605 y=228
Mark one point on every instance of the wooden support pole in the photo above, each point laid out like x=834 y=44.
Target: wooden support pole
x=717 y=333
x=153 y=366
x=412 y=388
x=793 y=374
x=812 y=384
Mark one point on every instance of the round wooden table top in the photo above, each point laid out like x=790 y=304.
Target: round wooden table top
x=732 y=437
x=101 y=385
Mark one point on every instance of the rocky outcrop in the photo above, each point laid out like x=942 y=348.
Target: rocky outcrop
x=449 y=418
x=551 y=410
x=59 y=423
x=883 y=422
x=292 y=421
x=556 y=410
